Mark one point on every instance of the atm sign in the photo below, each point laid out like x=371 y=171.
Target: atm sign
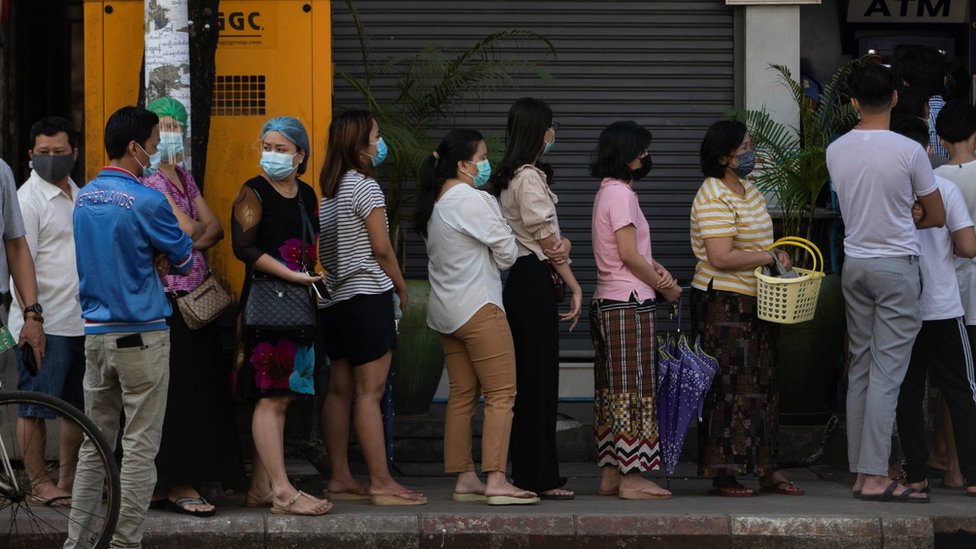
x=907 y=11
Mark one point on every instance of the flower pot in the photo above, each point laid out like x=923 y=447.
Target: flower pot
x=419 y=357
x=810 y=358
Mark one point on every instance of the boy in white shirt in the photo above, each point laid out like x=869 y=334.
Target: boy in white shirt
x=942 y=348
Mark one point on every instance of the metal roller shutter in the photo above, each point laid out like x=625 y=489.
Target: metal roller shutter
x=666 y=65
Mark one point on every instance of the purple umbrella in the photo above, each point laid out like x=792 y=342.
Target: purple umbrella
x=681 y=394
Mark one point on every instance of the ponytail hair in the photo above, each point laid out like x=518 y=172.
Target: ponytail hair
x=440 y=166
x=528 y=121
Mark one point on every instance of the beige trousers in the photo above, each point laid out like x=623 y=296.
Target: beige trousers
x=480 y=359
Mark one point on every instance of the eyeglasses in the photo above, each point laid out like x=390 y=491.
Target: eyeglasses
x=555 y=126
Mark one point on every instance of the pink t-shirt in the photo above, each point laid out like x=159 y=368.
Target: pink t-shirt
x=615 y=207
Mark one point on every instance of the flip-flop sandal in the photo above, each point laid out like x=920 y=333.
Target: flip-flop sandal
x=641 y=494
x=468 y=497
x=56 y=501
x=732 y=491
x=181 y=505
x=557 y=497
x=346 y=496
x=382 y=500
x=513 y=499
x=889 y=495
x=286 y=508
x=783 y=487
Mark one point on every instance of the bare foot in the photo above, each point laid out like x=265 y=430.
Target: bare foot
x=394 y=488
x=609 y=481
x=469 y=483
x=45 y=491
x=637 y=483
x=346 y=486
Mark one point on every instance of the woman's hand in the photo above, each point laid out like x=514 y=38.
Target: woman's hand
x=305 y=279
x=666 y=280
x=559 y=253
x=575 y=306
x=784 y=259
x=402 y=294
x=672 y=293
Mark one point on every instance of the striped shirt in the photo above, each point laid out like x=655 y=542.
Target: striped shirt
x=717 y=212
x=344 y=248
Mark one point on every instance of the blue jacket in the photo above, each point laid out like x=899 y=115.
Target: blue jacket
x=119 y=226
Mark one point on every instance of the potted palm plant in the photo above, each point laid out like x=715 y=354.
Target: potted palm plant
x=429 y=87
x=793 y=174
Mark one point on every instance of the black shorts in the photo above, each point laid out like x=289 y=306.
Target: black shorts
x=360 y=329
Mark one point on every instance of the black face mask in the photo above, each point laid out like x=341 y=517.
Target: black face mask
x=639 y=173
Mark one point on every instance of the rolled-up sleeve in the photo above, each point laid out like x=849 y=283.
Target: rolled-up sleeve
x=536 y=207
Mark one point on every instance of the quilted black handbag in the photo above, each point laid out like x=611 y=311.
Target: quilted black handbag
x=276 y=304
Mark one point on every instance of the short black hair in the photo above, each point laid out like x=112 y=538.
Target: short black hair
x=921 y=67
x=721 y=139
x=872 y=85
x=51 y=126
x=956 y=121
x=620 y=143
x=911 y=101
x=911 y=127
x=126 y=125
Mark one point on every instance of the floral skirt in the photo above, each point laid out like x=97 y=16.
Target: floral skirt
x=741 y=419
x=625 y=370
x=275 y=364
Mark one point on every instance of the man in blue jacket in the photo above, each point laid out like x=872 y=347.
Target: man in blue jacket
x=120 y=227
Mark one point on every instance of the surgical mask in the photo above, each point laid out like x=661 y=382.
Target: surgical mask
x=381 y=151
x=640 y=173
x=53 y=168
x=549 y=144
x=146 y=170
x=171 y=145
x=480 y=179
x=277 y=165
x=154 y=160
x=747 y=163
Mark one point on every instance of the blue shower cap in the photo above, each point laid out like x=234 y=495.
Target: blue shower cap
x=294 y=131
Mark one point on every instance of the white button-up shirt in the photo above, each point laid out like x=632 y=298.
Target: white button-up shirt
x=48 y=213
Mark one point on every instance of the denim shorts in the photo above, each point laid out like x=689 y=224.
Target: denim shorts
x=62 y=374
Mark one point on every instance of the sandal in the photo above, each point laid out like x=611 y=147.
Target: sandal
x=783 y=487
x=731 y=489
x=889 y=495
x=286 y=508
x=182 y=505
x=516 y=497
x=400 y=498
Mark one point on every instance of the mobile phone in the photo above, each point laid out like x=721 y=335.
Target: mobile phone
x=319 y=288
x=27 y=358
x=129 y=341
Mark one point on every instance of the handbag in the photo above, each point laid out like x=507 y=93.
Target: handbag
x=558 y=284
x=279 y=305
x=205 y=303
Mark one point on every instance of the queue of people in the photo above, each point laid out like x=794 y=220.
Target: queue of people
x=135 y=350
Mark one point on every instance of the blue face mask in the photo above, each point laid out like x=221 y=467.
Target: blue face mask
x=381 y=151
x=277 y=165
x=170 y=145
x=480 y=179
x=747 y=163
x=153 y=161
x=549 y=144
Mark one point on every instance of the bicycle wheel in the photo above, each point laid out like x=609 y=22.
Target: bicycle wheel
x=26 y=520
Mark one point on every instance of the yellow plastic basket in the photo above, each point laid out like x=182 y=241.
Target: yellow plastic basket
x=791 y=300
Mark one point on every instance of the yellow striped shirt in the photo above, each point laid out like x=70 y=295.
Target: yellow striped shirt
x=718 y=212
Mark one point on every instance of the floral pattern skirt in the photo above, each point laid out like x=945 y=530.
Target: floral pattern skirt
x=625 y=378
x=741 y=418
x=275 y=364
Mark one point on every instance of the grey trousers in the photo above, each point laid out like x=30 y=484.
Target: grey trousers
x=883 y=317
x=135 y=380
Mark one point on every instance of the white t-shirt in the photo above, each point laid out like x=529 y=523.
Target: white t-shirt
x=940 y=298
x=877 y=174
x=964 y=177
x=468 y=241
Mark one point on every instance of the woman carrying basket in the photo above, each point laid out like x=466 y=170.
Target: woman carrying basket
x=730 y=230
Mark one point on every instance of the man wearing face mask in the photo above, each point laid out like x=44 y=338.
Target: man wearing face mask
x=46 y=202
x=119 y=226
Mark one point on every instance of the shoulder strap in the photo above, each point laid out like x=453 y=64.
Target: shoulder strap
x=306 y=225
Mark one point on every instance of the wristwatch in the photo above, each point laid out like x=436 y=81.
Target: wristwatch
x=36 y=309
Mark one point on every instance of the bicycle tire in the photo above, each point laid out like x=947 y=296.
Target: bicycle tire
x=42 y=531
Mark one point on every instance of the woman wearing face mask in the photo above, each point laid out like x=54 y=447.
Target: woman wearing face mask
x=730 y=229
x=199 y=441
x=357 y=322
x=531 y=301
x=622 y=317
x=468 y=241
x=267 y=230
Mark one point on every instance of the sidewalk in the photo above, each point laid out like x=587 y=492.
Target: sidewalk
x=826 y=517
